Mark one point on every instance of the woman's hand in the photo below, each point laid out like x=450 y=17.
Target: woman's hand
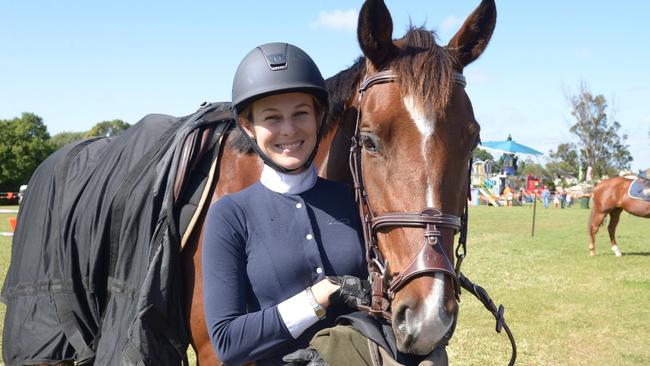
x=353 y=291
x=322 y=291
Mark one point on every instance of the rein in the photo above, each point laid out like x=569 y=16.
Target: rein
x=432 y=257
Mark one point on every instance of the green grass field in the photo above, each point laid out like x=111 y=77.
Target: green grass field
x=564 y=307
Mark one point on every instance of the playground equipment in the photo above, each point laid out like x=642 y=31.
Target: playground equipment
x=482 y=183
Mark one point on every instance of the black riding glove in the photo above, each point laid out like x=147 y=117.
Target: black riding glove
x=353 y=292
x=304 y=357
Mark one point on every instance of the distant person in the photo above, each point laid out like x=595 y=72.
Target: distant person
x=569 y=200
x=556 y=199
x=21 y=193
x=545 y=196
x=644 y=174
x=507 y=193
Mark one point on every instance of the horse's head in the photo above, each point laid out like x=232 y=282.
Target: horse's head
x=416 y=135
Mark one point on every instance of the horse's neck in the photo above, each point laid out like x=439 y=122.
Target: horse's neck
x=236 y=171
x=333 y=154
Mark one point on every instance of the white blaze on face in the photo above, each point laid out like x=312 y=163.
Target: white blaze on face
x=425 y=124
x=432 y=322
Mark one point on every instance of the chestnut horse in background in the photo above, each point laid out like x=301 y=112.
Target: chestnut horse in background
x=610 y=197
x=417 y=134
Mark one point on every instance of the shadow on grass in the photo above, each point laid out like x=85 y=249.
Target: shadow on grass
x=638 y=254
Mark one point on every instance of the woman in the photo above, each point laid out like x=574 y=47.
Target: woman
x=268 y=248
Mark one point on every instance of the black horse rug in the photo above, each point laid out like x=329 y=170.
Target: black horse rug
x=95 y=272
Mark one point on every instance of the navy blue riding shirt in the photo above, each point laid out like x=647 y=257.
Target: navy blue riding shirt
x=261 y=250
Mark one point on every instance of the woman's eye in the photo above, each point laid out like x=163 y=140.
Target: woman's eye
x=271 y=118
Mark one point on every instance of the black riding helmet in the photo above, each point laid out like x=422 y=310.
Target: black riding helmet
x=275 y=68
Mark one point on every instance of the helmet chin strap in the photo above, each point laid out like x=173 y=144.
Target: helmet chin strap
x=268 y=161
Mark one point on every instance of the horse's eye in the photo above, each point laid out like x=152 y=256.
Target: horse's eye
x=369 y=142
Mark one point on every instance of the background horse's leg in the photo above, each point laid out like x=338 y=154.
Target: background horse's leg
x=595 y=220
x=611 y=228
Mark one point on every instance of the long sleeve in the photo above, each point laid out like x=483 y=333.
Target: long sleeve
x=237 y=335
x=261 y=249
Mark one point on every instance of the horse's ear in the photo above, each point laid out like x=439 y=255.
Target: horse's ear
x=375 y=32
x=472 y=38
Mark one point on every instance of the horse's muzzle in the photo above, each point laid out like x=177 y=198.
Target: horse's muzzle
x=421 y=323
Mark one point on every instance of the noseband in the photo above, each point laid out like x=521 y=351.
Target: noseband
x=432 y=257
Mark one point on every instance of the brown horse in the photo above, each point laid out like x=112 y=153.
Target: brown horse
x=610 y=197
x=417 y=134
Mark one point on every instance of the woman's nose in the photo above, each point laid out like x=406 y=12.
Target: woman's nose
x=288 y=127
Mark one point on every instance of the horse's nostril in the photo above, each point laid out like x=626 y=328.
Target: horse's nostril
x=399 y=319
x=452 y=306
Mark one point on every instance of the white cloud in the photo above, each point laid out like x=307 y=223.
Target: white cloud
x=450 y=23
x=345 y=20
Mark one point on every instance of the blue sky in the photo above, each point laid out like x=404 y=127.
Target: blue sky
x=75 y=63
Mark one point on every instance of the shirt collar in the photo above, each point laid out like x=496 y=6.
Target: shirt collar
x=288 y=183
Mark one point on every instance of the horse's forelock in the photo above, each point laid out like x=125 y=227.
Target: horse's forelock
x=425 y=70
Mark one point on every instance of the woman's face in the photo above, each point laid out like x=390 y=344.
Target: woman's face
x=285 y=127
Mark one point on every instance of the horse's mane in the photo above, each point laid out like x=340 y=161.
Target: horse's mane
x=341 y=88
x=424 y=68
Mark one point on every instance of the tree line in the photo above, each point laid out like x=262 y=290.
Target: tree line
x=597 y=143
x=25 y=143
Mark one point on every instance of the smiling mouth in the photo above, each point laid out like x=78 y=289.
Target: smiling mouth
x=292 y=146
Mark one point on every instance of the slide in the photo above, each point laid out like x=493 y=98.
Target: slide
x=488 y=196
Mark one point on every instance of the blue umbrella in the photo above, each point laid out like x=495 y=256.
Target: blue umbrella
x=510 y=147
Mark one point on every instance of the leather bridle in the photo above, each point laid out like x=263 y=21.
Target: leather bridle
x=431 y=258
